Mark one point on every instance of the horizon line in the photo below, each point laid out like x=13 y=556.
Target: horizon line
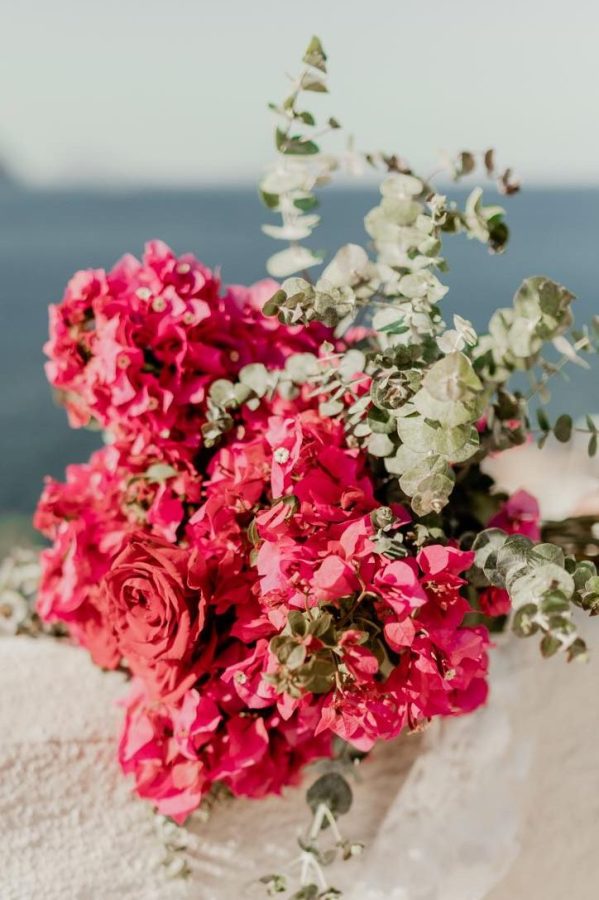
x=224 y=182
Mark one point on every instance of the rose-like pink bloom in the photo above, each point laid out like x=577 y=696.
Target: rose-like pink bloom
x=155 y=596
x=519 y=514
x=89 y=519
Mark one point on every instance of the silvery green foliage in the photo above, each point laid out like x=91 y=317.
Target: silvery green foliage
x=254 y=382
x=300 y=167
x=543 y=584
x=429 y=384
x=541 y=312
x=298 y=301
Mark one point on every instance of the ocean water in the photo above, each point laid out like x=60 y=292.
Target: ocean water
x=46 y=236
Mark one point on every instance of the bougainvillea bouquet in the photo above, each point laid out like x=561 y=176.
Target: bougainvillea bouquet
x=288 y=540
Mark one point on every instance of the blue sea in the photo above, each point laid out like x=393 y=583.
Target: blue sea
x=46 y=235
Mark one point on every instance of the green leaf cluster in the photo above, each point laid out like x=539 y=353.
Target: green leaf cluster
x=225 y=397
x=301 y=671
x=541 y=311
x=299 y=302
x=436 y=430
x=543 y=584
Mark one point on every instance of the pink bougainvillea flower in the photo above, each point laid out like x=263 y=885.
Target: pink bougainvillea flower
x=148 y=751
x=520 y=514
x=398 y=584
x=495 y=602
x=194 y=723
x=137 y=348
x=182 y=562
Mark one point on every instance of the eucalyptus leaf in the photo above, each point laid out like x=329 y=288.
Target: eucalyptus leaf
x=315 y=55
x=332 y=790
x=563 y=428
x=380 y=445
x=294 y=259
x=160 y=472
x=256 y=377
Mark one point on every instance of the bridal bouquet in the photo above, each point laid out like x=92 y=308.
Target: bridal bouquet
x=289 y=542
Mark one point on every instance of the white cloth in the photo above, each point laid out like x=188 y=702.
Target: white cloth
x=69 y=827
x=563 y=477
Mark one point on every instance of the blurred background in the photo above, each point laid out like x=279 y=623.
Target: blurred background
x=124 y=121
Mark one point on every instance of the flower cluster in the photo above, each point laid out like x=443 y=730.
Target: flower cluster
x=289 y=542
x=137 y=348
x=242 y=587
x=89 y=519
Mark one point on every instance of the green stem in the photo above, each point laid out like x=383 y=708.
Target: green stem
x=579 y=345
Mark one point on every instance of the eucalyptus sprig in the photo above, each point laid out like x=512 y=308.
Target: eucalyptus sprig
x=329 y=797
x=543 y=584
x=427 y=401
x=425 y=395
x=289 y=187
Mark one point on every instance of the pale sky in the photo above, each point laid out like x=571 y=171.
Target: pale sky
x=174 y=91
